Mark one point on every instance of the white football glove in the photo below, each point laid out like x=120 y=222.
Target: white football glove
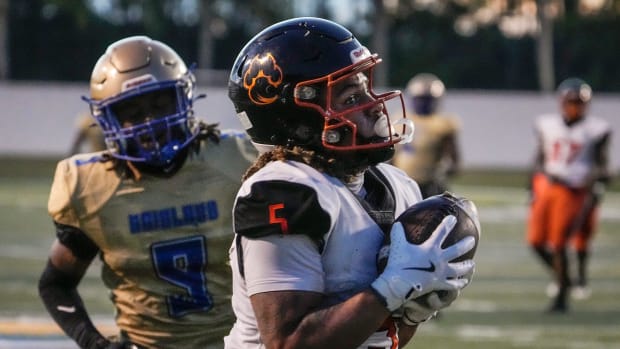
x=414 y=270
x=414 y=311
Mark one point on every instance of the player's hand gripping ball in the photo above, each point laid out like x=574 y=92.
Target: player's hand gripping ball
x=420 y=220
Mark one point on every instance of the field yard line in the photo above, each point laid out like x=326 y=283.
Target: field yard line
x=26 y=326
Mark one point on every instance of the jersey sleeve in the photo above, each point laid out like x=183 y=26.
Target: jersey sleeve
x=282 y=263
x=278 y=207
x=82 y=184
x=63 y=186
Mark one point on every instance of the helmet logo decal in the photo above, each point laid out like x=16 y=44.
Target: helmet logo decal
x=137 y=81
x=359 y=54
x=262 y=79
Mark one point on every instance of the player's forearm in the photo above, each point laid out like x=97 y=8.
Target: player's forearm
x=58 y=291
x=348 y=324
x=344 y=325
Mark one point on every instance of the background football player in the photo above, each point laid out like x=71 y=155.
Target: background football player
x=313 y=210
x=570 y=170
x=155 y=207
x=434 y=155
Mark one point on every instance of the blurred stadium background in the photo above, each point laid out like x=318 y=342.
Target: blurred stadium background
x=500 y=61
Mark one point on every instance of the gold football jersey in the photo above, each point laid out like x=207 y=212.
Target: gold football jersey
x=421 y=158
x=164 y=241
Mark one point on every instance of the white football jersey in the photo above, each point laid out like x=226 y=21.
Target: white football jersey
x=163 y=241
x=569 y=150
x=305 y=230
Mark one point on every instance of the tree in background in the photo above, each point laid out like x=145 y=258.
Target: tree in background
x=483 y=44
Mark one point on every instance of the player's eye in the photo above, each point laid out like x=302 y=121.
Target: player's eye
x=352 y=100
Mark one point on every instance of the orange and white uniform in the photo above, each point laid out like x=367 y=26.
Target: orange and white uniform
x=303 y=230
x=569 y=167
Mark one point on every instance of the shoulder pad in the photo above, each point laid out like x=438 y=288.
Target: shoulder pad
x=82 y=184
x=408 y=191
x=280 y=207
x=232 y=155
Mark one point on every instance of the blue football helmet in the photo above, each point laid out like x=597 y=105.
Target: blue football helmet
x=142 y=94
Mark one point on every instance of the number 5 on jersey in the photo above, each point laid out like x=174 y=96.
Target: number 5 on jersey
x=278 y=220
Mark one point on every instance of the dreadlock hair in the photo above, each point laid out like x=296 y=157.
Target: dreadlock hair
x=207 y=132
x=322 y=162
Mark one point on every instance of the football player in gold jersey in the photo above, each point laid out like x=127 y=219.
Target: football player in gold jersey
x=433 y=156
x=155 y=207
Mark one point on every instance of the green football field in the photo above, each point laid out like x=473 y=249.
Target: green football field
x=502 y=308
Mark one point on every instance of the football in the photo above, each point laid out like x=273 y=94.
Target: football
x=420 y=220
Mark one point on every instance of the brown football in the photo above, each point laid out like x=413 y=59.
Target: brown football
x=420 y=220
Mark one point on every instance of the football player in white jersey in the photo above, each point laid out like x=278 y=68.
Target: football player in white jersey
x=571 y=167
x=312 y=212
x=155 y=207
x=433 y=156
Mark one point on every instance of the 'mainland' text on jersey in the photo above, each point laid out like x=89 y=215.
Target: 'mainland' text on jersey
x=169 y=217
